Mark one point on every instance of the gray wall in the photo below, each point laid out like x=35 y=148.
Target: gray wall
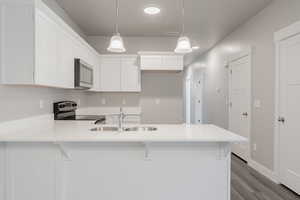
x=19 y=101
x=258 y=33
x=162 y=87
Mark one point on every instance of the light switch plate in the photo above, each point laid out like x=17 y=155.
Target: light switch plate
x=41 y=104
x=257 y=103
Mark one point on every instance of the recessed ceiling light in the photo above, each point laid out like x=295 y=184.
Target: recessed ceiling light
x=152 y=10
x=195 y=47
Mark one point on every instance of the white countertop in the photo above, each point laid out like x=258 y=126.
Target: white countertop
x=79 y=131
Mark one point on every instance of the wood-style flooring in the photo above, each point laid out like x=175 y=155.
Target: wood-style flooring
x=247 y=184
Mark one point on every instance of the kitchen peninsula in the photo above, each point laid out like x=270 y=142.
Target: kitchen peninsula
x=66 y=160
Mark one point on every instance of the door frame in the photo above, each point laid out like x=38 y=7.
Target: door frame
x=245 y=52
x=280 y=36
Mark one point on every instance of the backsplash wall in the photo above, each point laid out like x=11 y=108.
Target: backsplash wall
x=160 y=100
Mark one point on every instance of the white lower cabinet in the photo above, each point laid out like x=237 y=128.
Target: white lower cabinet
x=31 y=171
x=120 y=73
x=93 y=171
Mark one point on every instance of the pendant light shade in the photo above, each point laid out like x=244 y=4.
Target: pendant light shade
x=183 y=45
x=116 y=44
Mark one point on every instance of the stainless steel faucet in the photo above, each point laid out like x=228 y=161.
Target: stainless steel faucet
x=121 y=115
x=121 y=118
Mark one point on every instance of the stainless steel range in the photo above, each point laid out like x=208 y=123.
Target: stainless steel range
x=66 y=110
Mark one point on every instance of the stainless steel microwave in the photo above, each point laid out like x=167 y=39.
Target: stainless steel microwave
x=83 y=74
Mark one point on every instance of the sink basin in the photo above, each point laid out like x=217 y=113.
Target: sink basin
x=143 y=128
x=105 y=128
x=125 y=129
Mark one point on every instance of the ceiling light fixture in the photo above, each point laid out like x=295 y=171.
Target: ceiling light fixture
x=152 y=10
x=195 y=47
x=183 y=43
x=116 y=44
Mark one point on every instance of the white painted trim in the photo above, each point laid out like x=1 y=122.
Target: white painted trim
x=246 y=52
x=287 y=32
x=279 y=36
x=263 y=170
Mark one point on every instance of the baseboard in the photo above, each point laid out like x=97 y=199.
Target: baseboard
x=263 y=170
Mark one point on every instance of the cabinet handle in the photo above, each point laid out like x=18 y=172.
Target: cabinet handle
x=281 y=119
x=245 y=114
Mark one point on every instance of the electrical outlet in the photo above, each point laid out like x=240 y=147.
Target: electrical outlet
x=254 y=147
x=124 y=101
x=103 y=101
x=78 y=102
x=41 y=104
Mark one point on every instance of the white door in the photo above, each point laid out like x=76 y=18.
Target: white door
x=240 y=102
x=110 y=80
x=289 y=111
x=130 y=75
x=197 y=95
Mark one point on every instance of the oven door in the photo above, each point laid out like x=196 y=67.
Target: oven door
x=83 y=75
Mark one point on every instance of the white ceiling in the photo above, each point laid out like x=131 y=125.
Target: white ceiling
x=207 y=21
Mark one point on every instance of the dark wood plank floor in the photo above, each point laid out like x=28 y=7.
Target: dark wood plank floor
x=247 y=184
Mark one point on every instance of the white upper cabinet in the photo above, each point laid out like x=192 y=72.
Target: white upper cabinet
x=119 y=73
x=46 y=54
x=110 y=76
x=130 y=74
x=167 y=61
x=39 y=48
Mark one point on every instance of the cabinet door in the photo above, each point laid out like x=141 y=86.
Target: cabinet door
x=31 y=171
x=172 y=62
x=46 y=51
x=149 y=62
x=130 y=75
x=96 y=75
x=110 y=80
x=65 y=71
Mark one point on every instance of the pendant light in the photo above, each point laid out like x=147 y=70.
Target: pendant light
x=116 y=44
x=183 y=43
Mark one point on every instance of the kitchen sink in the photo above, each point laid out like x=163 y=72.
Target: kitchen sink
x=105 y=128
x=138 y=128
x=125 y=129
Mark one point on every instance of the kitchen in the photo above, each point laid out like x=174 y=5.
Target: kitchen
x=118 y=94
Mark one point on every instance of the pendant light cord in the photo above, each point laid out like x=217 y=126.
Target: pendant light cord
x=117 y=16
x=183 y=28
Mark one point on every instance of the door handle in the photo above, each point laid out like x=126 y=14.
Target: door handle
x=245 y=114
x=281 y=119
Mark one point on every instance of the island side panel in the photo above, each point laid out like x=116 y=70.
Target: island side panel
x=147 y=171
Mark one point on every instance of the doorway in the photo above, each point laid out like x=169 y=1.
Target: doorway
x=194 y=87
x=240 y=100
x=287 y=126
